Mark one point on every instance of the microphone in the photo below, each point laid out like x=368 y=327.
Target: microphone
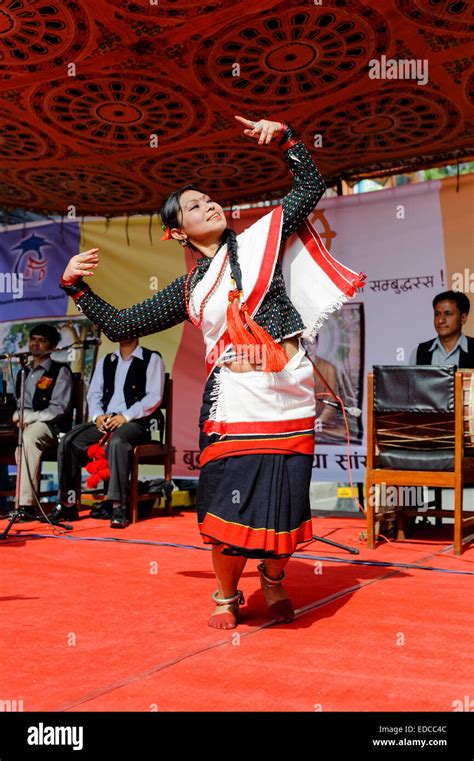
x=91 y=342
x=12 y=356
x=353 y=411
x=85 y=344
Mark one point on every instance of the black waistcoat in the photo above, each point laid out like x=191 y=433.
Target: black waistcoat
x=42 y=396
x=134 y=388
x=466 y=358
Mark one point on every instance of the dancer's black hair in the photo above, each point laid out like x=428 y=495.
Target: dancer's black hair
x=172 y=216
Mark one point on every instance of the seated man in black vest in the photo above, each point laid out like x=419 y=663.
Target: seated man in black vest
x=48 y=394
x=125 y=391
x=452 y=346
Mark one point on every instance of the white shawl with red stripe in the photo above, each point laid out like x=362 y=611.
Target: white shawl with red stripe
x=316 y=283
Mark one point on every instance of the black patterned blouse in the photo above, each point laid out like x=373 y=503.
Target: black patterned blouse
x=167 y=307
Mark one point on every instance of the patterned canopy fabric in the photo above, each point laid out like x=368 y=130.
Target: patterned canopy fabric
x=109 y=105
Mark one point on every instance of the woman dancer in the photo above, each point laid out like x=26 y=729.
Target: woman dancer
x=257 y=415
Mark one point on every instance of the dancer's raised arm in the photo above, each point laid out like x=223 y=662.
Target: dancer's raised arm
x=160 y=312
x=308 y=183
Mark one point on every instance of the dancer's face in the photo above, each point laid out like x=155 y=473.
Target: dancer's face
x=202 y=219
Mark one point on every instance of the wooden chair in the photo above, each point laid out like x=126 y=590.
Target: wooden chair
x=76 y=414
x=415 y=437
x=9 y=441
x=155 y=453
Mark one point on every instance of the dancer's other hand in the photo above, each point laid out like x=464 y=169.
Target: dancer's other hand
x=81 y=265
x=263 y=129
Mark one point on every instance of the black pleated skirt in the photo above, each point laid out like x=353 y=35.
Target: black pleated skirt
x=255 y=505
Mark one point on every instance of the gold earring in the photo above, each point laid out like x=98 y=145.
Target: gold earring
x=184 y=242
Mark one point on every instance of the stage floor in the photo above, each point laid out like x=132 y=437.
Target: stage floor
x=121 y=624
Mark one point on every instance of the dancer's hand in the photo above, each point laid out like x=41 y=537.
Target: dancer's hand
x=263 y=130
x=81 y=265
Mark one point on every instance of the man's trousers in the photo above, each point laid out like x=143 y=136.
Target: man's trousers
x=72 y=455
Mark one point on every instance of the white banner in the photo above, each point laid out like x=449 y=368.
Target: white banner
x=396 y=238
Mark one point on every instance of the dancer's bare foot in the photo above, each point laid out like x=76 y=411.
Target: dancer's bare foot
x=226 y=615
x=279 y=604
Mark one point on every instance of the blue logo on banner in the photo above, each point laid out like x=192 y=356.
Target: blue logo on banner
x=32 y=260
x=31 y=263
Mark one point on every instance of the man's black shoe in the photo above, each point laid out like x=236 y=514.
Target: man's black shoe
x=119 y=518
x=102 y=510
x=62 y=513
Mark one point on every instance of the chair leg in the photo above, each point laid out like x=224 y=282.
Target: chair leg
x=78 y=488
x=371 y=498
x=438 y=503
x=169 y=500
x=401 y=517
x=458 y=505
x=134 y=489
x=401 y=525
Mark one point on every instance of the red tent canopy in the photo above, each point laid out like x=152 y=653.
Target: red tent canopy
x=108 y=105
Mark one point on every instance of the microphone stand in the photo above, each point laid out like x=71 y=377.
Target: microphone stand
x=19 y=512
x=345 y=547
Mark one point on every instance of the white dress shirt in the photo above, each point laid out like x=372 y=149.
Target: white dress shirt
x=155 y=381
x=440 y=356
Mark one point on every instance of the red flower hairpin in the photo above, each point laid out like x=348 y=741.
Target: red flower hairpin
x=167 y=235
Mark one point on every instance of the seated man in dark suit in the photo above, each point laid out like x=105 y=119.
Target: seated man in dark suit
x=125 y=391
x=48 y=393
x=452 y=346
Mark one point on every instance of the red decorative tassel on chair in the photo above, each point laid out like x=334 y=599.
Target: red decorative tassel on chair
x=99 y=466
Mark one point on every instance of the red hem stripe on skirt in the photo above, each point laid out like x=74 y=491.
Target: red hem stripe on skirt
x=268 y=540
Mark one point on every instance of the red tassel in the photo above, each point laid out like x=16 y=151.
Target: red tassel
x=99 y=466
x=241 y=338
x=93 y=481
x=273 y=354
x=94 y=450
x=269 y=351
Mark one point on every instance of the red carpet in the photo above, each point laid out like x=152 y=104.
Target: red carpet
x=90 y=626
